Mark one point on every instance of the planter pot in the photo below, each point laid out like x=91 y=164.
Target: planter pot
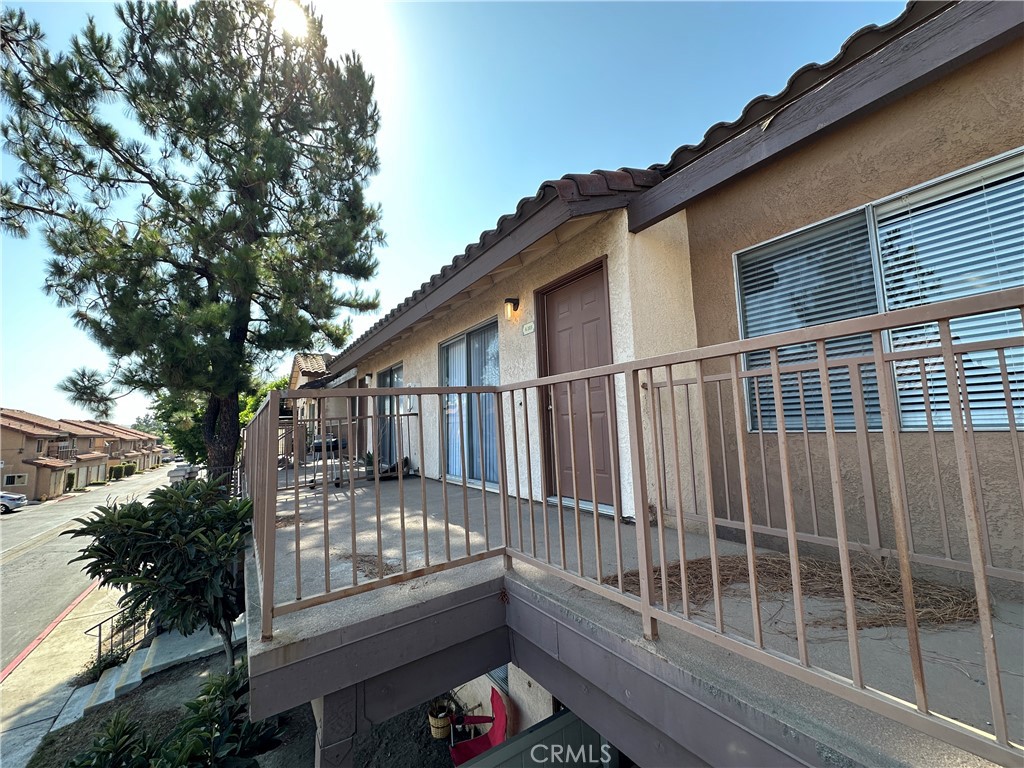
x=440 y=723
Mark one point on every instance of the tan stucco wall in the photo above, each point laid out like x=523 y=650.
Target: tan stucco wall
x=972 y=115
x=517 y=352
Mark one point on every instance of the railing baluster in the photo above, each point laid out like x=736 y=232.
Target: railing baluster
x=867 y=472
x=442 y=434
x=498 y=399
x=760 y=439
x=483 y=467
x=748 y=516
x=898 y=498
x=298 y=521
x=575 y=474
x=930 y=422
x=423 y=480
x=788 y=507
x=657 y=443
x=323 y=455
x=515 y=465
x=378 y=445
x=593 y=484
x=352 y=408
x=643 y=523
x=613 y=442
x=463 y=461
x=976 y=465
x=709 y=497
x=680 y=527
x=726 y=485
x=1011 y=418
x=529 y=476
x=270 y=518
x=838 y=503
x=557 y=470
x=807 y=452
x=400 y=462
x=975 y=525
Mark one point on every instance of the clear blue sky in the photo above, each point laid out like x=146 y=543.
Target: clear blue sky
x=480 y=103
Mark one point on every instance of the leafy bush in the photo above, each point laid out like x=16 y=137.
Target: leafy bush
x=180 y=555
x=117 y=472
x=216 y=731
x=121 y=743
x=129 y=468
x=96 y=667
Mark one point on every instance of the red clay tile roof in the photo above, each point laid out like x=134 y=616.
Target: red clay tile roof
x=571 y=188
x=100 y=429
x=30 y=418
x=48 y=463
x=132 y=434
x=574 y=188
x=25 y=428
x=312 y=362
x=862 y=43
x=91 y=456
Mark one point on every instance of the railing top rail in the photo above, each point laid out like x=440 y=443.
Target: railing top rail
x=314 y=394
x=1010 y=298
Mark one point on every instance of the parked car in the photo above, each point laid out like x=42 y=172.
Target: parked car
x=12 y=501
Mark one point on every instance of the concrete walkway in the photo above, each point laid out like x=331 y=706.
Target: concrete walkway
x=38 y=694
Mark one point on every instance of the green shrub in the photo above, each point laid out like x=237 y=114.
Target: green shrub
x=180 y=555
x=117 y=472
x=120 y=743
x=96 y=667
x=130 y=468
x=216 y=731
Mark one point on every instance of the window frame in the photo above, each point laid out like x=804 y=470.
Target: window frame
x=492 y=321
x=948 y=185
x=16 y=475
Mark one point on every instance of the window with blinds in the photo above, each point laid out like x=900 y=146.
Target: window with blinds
x=962 y=237
x=817 y=276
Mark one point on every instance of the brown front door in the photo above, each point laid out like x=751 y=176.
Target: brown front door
x=577 y=335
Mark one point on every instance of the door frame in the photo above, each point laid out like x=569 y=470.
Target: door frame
x=540 y=313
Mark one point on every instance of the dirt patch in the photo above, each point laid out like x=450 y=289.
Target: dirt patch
x=402 y=742
x=877 y=588
x=370 y=567
x=159 y=703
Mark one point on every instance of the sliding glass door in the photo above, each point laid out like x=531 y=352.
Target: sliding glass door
x=388 y=409
x=471 y=360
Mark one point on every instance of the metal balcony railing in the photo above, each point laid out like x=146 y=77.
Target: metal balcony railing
x=784 y=497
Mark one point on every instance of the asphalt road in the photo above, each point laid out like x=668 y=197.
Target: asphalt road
x=36 y=581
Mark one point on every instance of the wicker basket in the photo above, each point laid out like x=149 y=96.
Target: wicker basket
x=440 y=725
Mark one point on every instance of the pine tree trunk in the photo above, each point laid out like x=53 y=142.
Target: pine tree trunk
x=221 y=433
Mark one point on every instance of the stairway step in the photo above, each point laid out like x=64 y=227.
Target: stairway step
x=131 y=677
x=104 y=690
x=171 y=648
x=75 y=706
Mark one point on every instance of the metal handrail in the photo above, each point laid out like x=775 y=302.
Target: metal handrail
x=110 y=637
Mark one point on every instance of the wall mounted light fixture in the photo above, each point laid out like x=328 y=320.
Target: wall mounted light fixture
x=511 y=305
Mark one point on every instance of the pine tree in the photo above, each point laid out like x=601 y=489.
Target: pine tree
x=200 y=184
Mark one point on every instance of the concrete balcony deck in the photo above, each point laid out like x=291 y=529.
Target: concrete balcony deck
x=386 y=649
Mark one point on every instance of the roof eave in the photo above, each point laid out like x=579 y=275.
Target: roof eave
x=941 y=43
x=549 y=216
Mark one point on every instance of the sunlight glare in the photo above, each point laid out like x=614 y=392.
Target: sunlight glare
x=289 y=18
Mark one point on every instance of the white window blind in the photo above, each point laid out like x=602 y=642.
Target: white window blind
x=949 y=240
x=817 y=276
x=950 y=243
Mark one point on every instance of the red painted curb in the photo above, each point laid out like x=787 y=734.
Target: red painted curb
x=43 y=635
